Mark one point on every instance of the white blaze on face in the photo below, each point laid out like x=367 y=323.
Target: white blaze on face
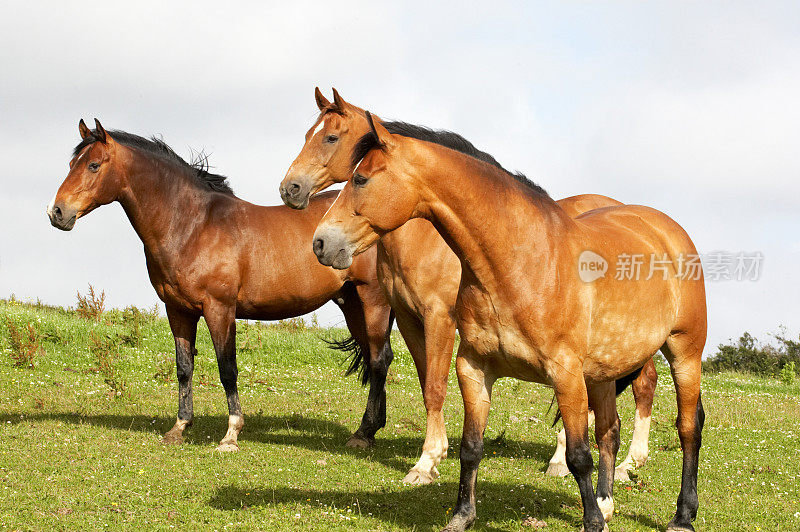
x=318 y=128
x=50 y=205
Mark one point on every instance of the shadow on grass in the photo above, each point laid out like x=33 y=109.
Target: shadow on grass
x=422 y=506
x=399 y=453
x=418 y=507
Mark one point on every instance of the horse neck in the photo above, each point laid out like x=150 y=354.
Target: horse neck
x=496 y=225
x=158 y=200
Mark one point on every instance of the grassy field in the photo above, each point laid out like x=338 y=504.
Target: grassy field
x=80 y=440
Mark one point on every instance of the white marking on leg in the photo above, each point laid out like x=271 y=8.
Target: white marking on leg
x=558 y=463
x=230 y=441
x=639 y=450
x=434 y=450
x=606 y=505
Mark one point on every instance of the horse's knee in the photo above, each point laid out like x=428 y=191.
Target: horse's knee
x=579 y=459
x=380 y=362
x=471 y=452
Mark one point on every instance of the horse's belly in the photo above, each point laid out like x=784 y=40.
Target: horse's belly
x=618 y=345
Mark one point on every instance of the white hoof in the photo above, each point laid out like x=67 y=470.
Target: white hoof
x=416 y=477
x=621 y=474
x=227 y=447
x=557 y=469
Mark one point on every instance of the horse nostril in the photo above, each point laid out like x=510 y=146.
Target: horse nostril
x=294 y=190
x=319 y=245
x=57 y=213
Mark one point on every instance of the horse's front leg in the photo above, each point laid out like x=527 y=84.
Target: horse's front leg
x=184 y=329
x=221 y=320
x=558 y=463
x=476 y=390
x=439 y=336
x=574 y=405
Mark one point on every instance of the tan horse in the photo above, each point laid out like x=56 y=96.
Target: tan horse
x=214 y=255
x=420 y=275
x=523 y=309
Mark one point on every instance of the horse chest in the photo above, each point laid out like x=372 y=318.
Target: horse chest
x=478 y=322
x=171 y=285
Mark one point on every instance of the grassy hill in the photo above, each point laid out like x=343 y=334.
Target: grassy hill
x=80 y=439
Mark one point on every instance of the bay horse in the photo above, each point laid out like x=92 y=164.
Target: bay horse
x=523 y=310
x=214 y=255
x=420 y=275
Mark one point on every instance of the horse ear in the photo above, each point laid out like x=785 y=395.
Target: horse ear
x=322 y=101
x=84 y=131
x=338 y=101
x=100 y=132
x=381 y=133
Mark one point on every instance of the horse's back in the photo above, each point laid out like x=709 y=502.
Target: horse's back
x=581 y=203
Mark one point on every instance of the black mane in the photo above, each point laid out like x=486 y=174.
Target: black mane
x=198 y=165
x=448 y=139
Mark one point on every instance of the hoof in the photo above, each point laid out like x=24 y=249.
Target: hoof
x=171 y=438
x=459 y=523
x=671 y=527
x=227 y=447
x=360 y=442
x=556 y=469
x=416 y=477
x=605 y=528
x=621 y=474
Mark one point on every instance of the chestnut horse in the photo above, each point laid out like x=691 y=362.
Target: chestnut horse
x=420 y=275
x=523 y=309
x=214 y=255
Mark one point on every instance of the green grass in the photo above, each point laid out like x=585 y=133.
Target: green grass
x=76 y=455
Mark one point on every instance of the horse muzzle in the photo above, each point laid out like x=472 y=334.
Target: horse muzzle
x=61 y=217
x=295 y=193
x=332 y=249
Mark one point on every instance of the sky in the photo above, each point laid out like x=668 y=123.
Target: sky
x=688 y=107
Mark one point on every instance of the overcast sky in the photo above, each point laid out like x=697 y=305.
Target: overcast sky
x=688 y=107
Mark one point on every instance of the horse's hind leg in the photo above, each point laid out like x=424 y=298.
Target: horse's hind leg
x=437 y=336
x=644 y=387
x=221 y=321
x=476 y=390
x=602 y=399
x=369 y=319
x=684 y=355
x=184 y=329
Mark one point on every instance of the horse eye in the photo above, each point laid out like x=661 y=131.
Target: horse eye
x=359 y=180
x=94 y=167
x=331 y=139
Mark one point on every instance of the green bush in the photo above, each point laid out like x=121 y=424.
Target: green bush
x=749 y=355
x=788 y=373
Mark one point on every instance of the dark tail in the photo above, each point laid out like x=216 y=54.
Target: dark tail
x=622 y=384
x=354 y=357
